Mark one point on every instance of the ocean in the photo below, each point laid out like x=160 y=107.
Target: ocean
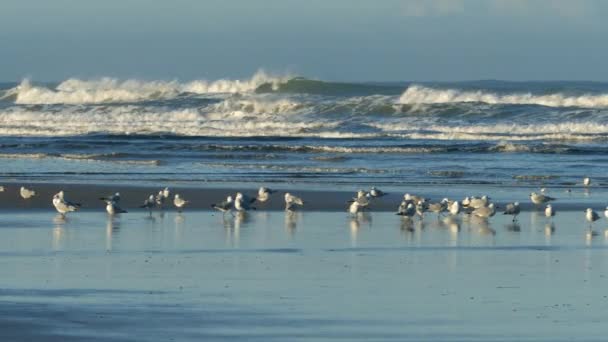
x=305 y=132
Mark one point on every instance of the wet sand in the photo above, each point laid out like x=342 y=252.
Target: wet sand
x=309 y=276
x=317 y=199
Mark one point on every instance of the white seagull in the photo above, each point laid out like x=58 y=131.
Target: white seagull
x=26 y=193
x=240 y=204
x=291 y=201
x=62 y=205
x=539 y=199
x=586 y=181
x=264 y=194
x=549 y=211
x=112 y=208
x=179 y=202
x=485 y=212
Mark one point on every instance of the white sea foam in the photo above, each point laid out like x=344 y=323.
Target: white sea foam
x=416 y=94
x=109 y=90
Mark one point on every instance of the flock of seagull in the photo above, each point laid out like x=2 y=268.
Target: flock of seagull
x=412 y=206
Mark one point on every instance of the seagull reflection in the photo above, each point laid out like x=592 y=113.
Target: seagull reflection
x=60 y=220
x=482 y=226
x=179 y=219
x=109 y=229
x=58 y=233
x=291 y=220
x=407 y=224
x=549 y=228
x=240 y=218
x=513 y=227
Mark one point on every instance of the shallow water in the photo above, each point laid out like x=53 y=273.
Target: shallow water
x=302 y=276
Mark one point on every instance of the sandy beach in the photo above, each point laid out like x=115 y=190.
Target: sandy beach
x=309 y=276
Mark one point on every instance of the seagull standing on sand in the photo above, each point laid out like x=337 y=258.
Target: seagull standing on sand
x=355 y=208
x=591 y=216
x=454 y=209
x=549 y=211
x=539 y=199
x=291 y=201
x=26 y=193
x=62 y=205
x=512 y=209
x=476 y=202
x=438 y=207
x=179 y=202
x=112 y=208
x=375 y=193
x=149 y=204
x=224 y=206
x=162 y=197
x=111 y=198
x=485 y=212
x=264 y=194
x=606 y=212
x=1 y=188
x=406 y=209
x=240 y=204
x=587 y=181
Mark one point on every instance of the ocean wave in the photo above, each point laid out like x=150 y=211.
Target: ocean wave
x=110 y=90
x=417 y=94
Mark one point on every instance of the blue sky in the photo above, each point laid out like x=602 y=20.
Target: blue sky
x=384 y=40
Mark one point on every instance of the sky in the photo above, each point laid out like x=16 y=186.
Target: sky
x=341 y=40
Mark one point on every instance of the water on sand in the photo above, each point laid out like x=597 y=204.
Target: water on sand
x=300 y=276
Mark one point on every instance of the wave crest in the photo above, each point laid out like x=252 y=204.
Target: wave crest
x=416 y=94
x=110 y=90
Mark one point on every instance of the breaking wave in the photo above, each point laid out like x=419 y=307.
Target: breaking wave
x=110 y=90
x=417 y=94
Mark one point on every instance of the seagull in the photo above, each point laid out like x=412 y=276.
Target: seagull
x=1 y=188
x=362 y=198
x=406 y=209
x=421 y=208
x=166 y=193
x=438 y=207
x=224 y=206
x=413 y=199
x=264 y=194
x=111 y=198
x=354 y=208
x=476 y=202
x=149 y=203
x=160 y=199
x=512 y=209
x=454 y=209
x=27 y=193
x=485 y=212
x=63 y=206
x=179 y=202
x=375 y=193
x=240 y=204
x=538 y=199
x=606 y=212
x=549 y=211
x=291 y=201
x=591 y=216
x=112 y=208
x=586 y=181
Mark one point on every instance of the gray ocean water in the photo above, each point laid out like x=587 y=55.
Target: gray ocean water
x=304 y=132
